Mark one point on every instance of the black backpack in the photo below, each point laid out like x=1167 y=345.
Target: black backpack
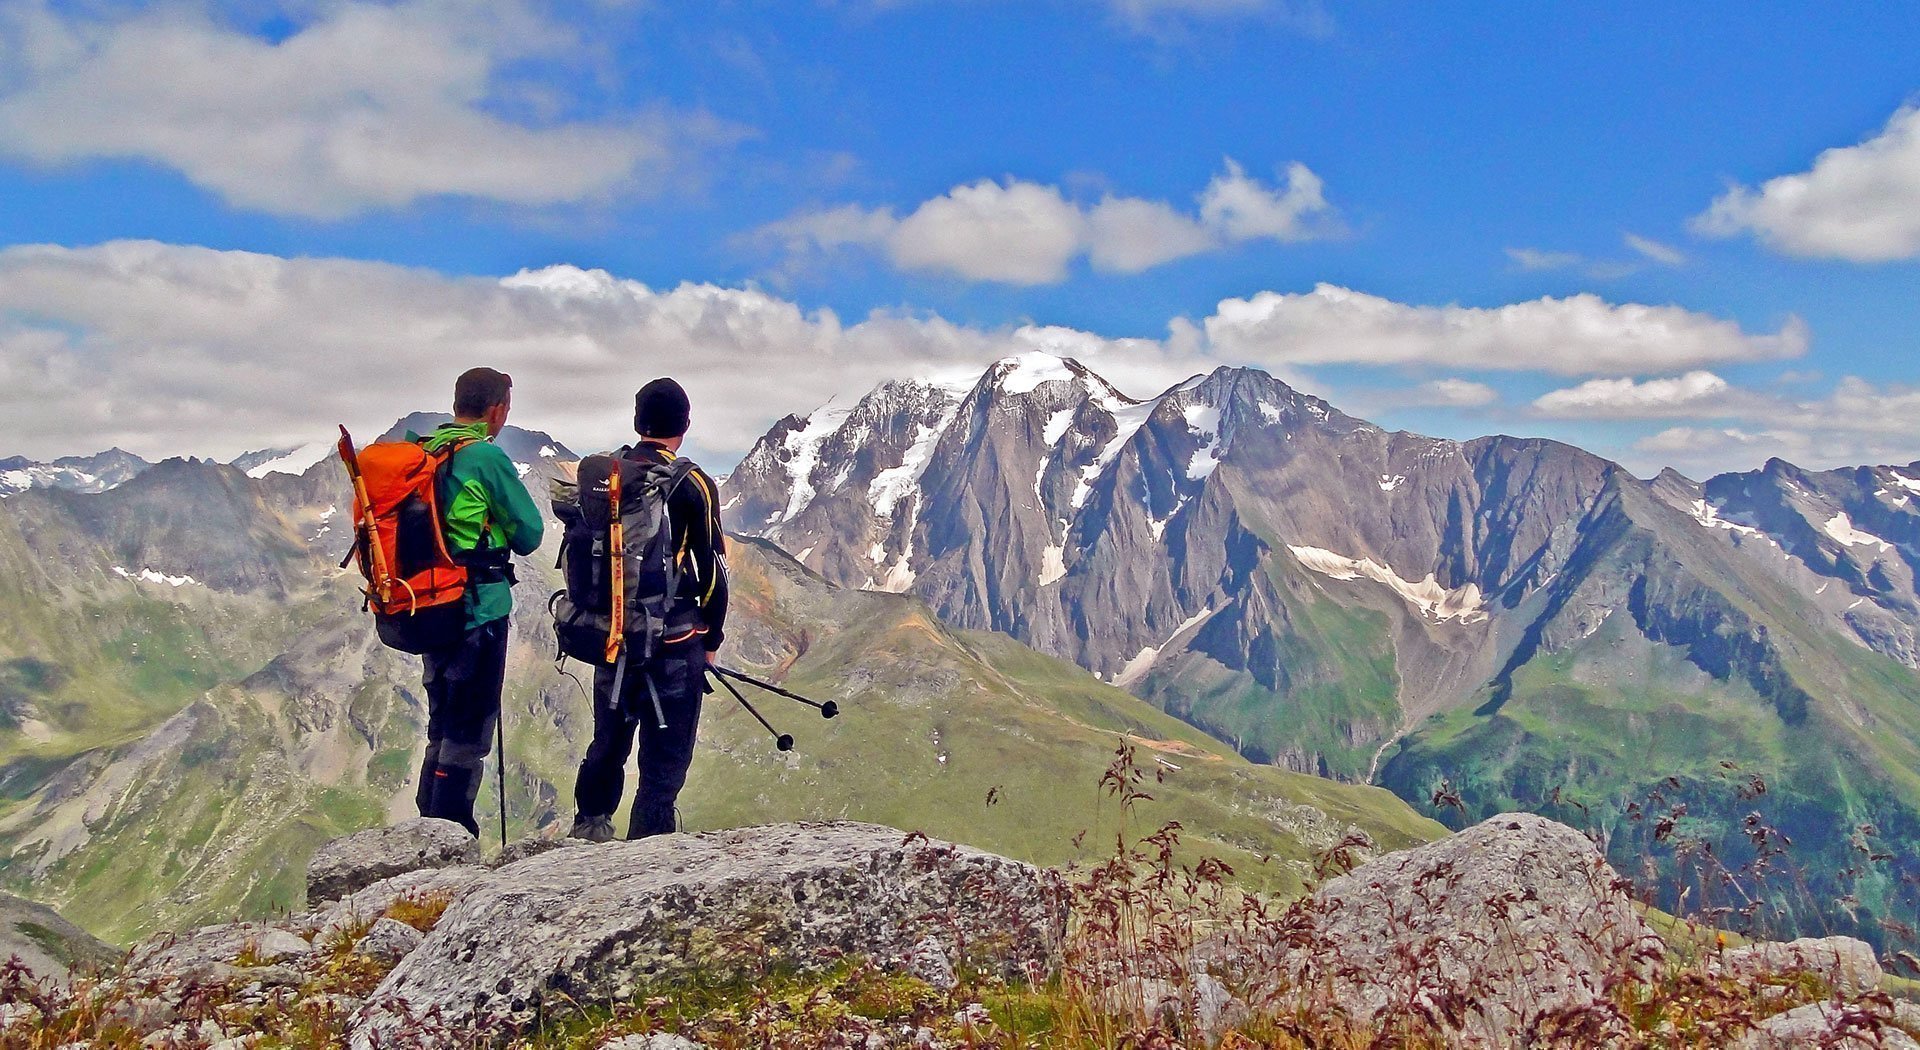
x=590 y=624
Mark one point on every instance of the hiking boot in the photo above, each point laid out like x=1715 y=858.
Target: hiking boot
x=593 y=829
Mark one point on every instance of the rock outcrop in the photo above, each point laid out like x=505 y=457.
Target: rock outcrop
x=596 y=923
x=1847 y=964
x=357 y=861
x=45 y=943
x=1498 y=933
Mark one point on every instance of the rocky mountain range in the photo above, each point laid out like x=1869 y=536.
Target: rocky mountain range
x=95 y=473
x=191 y=700
x=1504 y=622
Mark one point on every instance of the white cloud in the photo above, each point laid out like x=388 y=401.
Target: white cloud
x=1696 y=393
x=1578 y=335
x=1647 y=250
x=170 y=350
x=365 y=106
x=1019 y=232
x=1860 y=203
x=1241 y=209
x=1536 y=259
x=1664 y=254
x=1453 y=393
x=1856 y=422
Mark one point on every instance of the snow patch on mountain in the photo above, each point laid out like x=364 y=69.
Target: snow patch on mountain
x=1840 y=527
x=1903 y=481
x=803 y=455
x=294 y=461
x=1464 y=603
x=1709 y=517
x=1388 y=484
x=1128 y=419
x=894 y=484
x=1053 y=560
x=1057 y=425
x=1204 y=422
x=152 y=576
x=1023 y=373
x=1143 y=661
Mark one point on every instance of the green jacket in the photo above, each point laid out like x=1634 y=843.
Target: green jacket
x=481 y=489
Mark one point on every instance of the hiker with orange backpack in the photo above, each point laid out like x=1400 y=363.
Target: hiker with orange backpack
x=437 y=520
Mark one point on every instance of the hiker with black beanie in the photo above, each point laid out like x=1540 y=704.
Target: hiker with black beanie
x=677 y=671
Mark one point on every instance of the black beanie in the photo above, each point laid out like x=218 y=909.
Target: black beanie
x=660 y=410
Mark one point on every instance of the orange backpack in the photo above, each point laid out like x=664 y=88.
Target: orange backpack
x=414 y=586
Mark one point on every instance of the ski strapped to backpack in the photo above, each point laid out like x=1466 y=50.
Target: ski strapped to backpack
x=416 y=588
x=618 y=541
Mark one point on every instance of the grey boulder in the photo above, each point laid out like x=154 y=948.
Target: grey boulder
x=1826 y=1025
x=197 y=953
x=44 y=942
x=359 y=860
x=1849 y=965
x=364 y=906
x=596 y=924
x=388 y=941
x=1492 y=933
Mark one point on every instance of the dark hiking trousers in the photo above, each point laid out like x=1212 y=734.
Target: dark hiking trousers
x=679 y=679
x=463 y=703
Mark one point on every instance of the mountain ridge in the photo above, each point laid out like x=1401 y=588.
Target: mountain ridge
x=1336 y=598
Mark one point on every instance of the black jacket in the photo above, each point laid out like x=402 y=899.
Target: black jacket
x=693 y=512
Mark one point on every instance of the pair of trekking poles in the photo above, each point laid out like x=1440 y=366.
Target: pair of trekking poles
x=781 y=741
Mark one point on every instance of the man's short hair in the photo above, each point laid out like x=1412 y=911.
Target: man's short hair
x=479 y=389
x=661 y=410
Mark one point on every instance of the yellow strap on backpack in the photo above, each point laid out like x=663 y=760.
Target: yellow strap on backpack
x=617 y=554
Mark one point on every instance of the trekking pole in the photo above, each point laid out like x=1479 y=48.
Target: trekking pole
x=781 y=741
x=827 y=709
x=500 y=730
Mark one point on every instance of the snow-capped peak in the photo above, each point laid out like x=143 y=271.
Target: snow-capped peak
x=1023 y=373
x=294 y=461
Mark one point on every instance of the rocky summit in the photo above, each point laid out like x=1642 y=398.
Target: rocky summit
x=1514 y=932
x=601 y=923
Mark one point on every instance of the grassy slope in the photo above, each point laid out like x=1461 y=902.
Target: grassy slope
x=219 y=821
x=935 y=721
x=1341 y=688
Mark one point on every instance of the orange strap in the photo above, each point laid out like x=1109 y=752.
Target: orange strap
x=616 y=552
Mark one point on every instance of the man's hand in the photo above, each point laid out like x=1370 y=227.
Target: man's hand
x=713 y=658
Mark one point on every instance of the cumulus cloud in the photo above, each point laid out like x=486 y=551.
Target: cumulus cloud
x=1019 y=232
x=1697 y=393
x=1860 y=203
x=1855 y=422
x=1578 y=335
x=364 y=106
x=168 y=350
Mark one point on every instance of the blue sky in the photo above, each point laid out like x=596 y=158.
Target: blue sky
x=1684 y=237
